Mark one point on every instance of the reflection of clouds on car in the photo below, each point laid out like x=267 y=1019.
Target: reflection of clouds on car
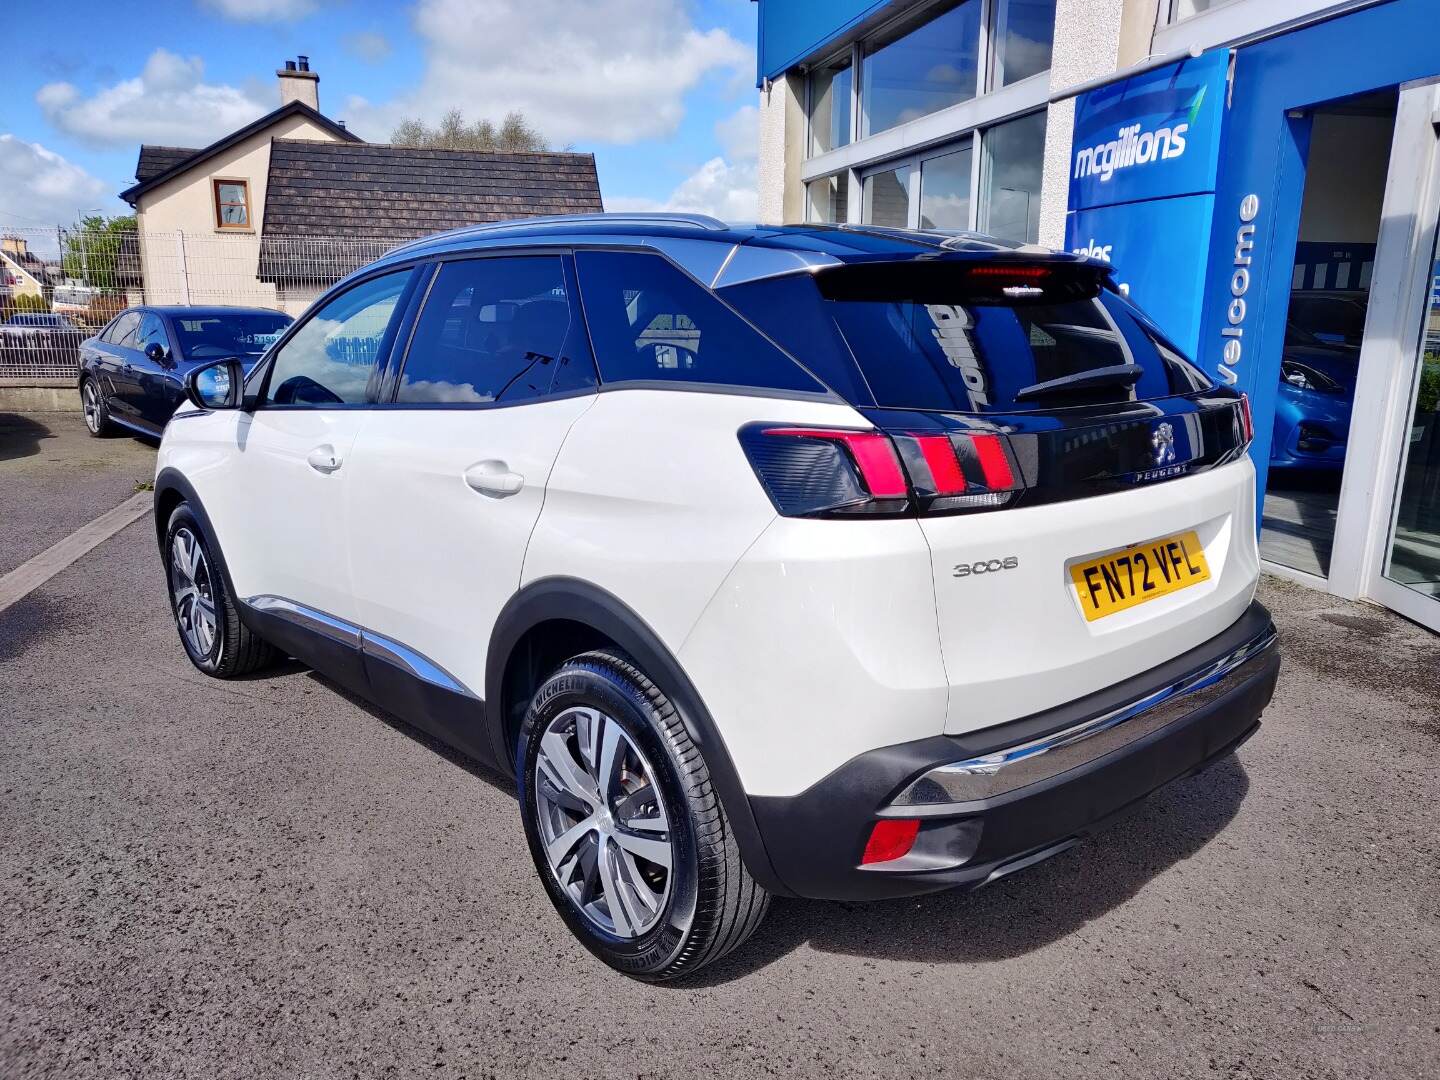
x=440 y=391
x=328 y=359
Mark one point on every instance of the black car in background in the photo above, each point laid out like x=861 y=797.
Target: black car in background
x=132 y=373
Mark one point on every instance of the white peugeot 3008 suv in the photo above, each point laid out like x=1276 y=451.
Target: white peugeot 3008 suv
x=827 y=562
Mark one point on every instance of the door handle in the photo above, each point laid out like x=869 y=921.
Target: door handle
x=493 y=478
x=323 y=459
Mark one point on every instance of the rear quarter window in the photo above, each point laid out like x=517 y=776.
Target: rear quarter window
x=650 y=322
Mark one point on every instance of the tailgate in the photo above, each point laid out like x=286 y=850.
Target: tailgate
x=1014 y=630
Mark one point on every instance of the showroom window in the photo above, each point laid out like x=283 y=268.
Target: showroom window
x=945 y=190
x=1014 y=160
x=1024 y=37
x=920 y=65
x=916 y=70
x=885 y=198
x=830 y=90
x=828 y=198
x=1183 y=9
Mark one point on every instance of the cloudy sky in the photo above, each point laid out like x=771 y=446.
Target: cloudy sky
x=661 y=91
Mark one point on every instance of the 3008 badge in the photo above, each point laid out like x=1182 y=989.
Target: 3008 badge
x=987 y=566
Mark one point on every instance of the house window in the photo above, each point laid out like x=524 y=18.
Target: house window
x=232 y=204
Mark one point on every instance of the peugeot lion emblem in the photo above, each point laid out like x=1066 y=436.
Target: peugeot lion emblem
x=1163 y=440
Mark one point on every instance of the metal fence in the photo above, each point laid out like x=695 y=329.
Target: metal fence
x=59 y=286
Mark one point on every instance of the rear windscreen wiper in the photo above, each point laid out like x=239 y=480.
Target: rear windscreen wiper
x=1115 y=375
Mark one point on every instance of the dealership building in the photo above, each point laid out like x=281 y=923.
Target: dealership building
x=1264 y=175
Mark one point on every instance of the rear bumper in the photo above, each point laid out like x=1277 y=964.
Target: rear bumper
x=994 y=801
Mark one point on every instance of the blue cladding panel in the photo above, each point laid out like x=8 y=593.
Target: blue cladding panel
x=1159 y=249
x=792 y=29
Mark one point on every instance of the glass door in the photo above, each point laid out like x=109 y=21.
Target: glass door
x=1413 y=557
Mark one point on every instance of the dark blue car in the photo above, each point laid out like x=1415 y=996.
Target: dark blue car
x=132 y=373
x=1317 y=381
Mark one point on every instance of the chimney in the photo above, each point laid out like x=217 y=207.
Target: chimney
x=299 y=83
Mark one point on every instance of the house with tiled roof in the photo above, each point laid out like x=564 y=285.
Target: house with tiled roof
x=280 y=209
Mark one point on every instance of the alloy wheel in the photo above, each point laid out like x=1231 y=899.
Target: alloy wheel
x=603 y=822
x=192 y=587
x=90 y=399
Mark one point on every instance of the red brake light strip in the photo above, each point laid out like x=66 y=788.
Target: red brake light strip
x=873 y=453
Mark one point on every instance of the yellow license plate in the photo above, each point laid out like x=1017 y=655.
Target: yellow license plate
x=1136 y=574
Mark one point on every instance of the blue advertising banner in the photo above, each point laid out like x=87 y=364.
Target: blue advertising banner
x=1159 y=248
x=1152 y=136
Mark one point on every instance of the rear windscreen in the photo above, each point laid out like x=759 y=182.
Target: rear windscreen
x=933 y=347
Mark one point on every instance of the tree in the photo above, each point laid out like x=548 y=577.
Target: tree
x=453 y=133
x=101 y=250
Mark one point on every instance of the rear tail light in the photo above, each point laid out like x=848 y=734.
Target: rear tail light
x=835 y=472
x=1247 y=419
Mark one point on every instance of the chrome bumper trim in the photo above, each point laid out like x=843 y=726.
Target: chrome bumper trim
x=985 y=777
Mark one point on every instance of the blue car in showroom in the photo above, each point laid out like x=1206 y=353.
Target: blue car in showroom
x=1317 y=381
x=132 y=373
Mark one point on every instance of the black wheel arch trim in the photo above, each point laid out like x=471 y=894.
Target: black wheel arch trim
x=573 y=600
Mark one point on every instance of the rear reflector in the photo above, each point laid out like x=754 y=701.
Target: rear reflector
x=890 y=839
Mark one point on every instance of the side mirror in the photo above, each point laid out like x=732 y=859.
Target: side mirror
x=218 y=385
x=156 y=353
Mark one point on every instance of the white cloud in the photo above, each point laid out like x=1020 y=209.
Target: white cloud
x=261 y=10
x=739 y=134
x=613 y=71
x=168 y=103
x=726 y=187
x=39 y=187
x=367 y=45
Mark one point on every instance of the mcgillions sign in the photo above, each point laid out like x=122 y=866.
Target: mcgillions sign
x=1130 y=147
x=1234 y=330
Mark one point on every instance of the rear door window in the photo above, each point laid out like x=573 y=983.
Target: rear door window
x=496 y=329
x=650 y=322
x=122 y=330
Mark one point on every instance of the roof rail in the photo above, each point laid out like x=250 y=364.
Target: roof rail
x=702 y=221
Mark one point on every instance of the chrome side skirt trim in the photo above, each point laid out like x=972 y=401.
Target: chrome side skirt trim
x=365 y=641
x=407 y=659
x=990 y=775
x=307 y=618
